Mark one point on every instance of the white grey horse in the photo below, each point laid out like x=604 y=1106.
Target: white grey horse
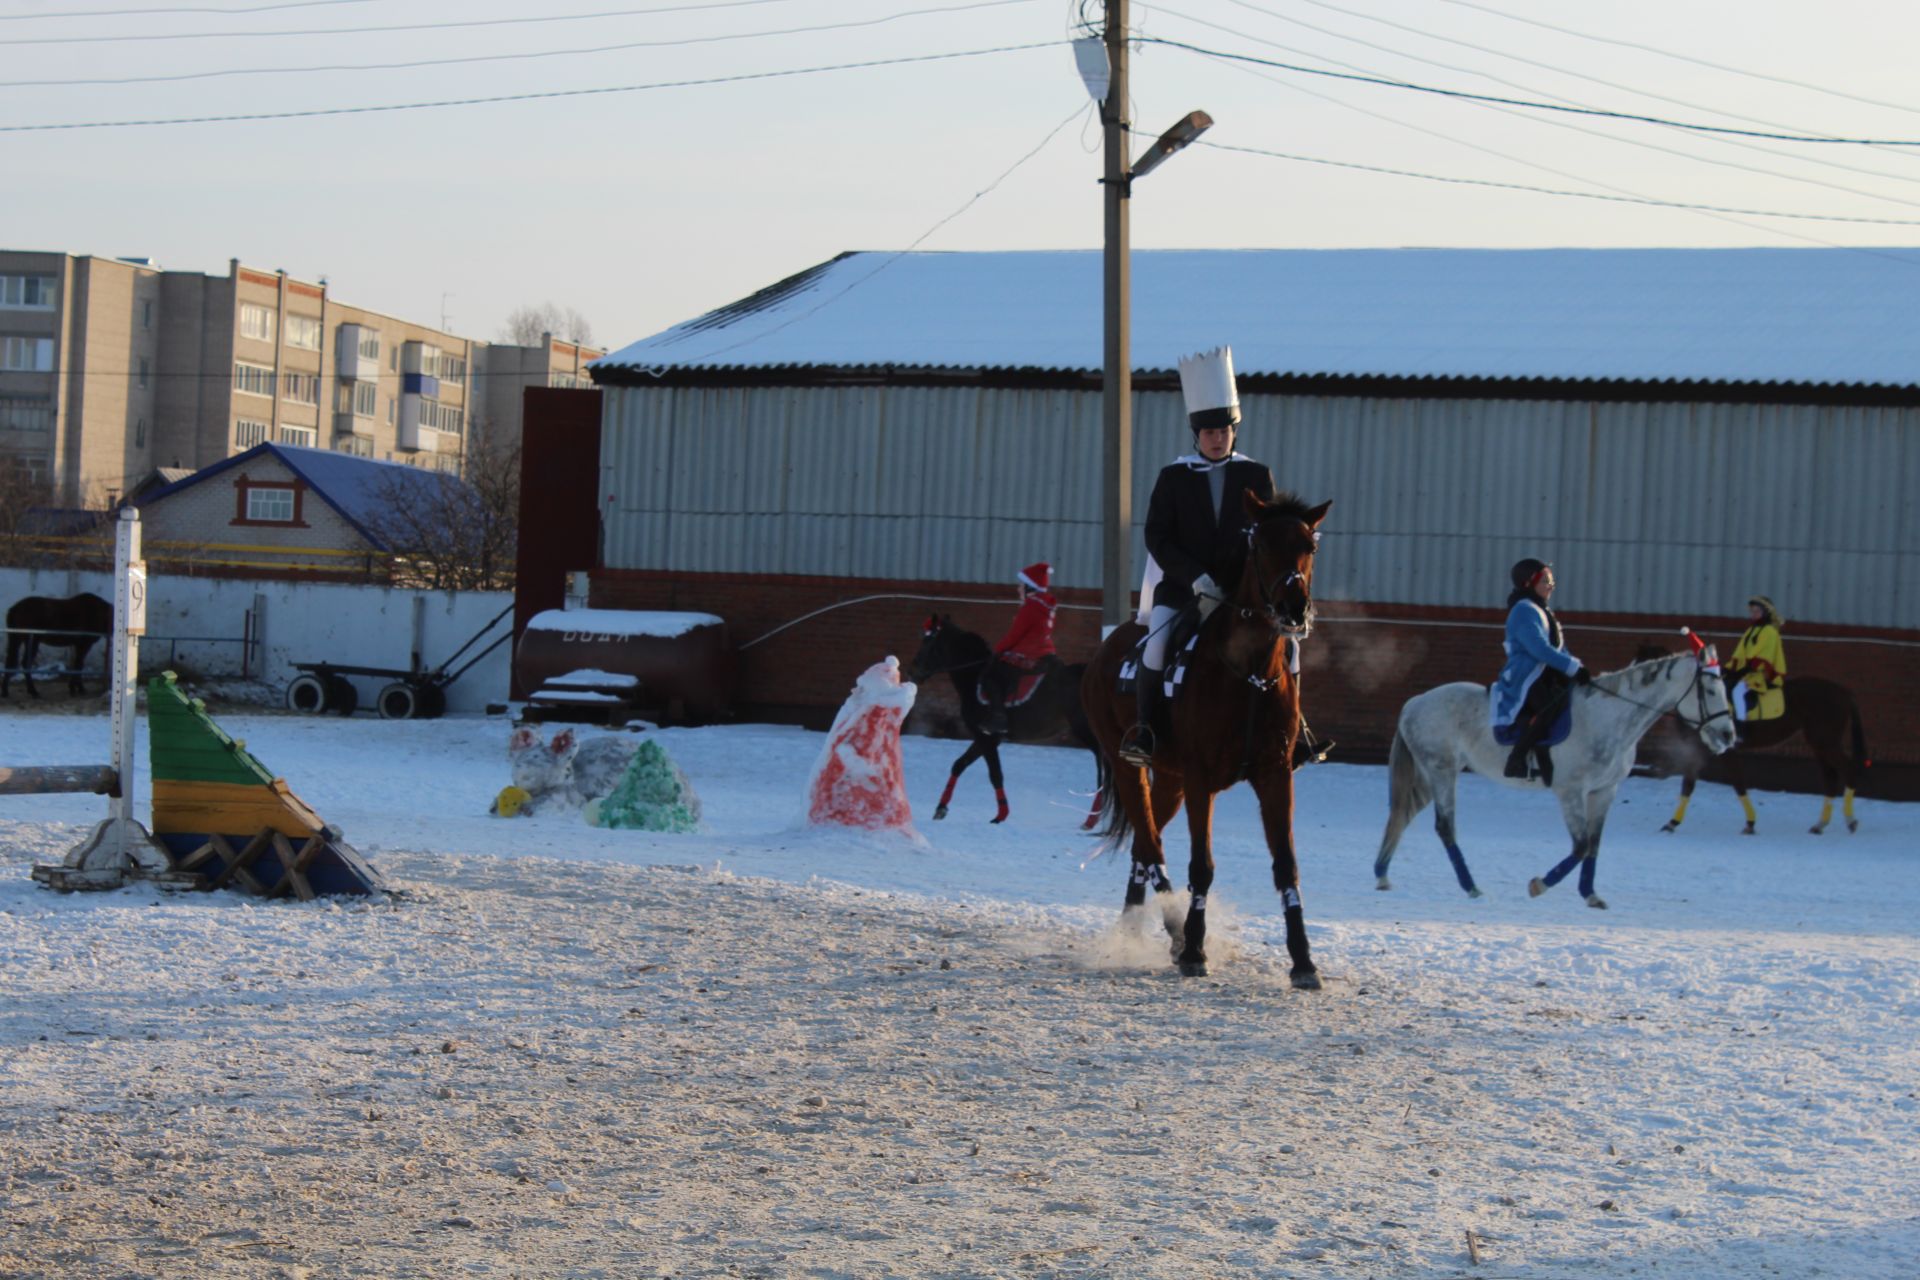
x=1446 y=730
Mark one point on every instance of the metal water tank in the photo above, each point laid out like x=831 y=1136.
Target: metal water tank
x=681 y=665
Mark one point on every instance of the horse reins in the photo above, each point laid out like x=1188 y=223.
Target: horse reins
x=1695 y=686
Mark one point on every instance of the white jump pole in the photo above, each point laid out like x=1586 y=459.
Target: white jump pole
x=119 y=847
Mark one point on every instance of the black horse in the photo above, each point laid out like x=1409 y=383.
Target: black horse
x=1055 y=705
x=74 y=623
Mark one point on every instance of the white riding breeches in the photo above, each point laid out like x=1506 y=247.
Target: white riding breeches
x=1159 y=628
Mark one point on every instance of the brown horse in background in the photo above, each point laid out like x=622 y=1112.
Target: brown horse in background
x=1826 y=714
x=1236 y=715
x=74 y=623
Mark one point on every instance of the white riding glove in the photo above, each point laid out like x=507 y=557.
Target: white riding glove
x=1209 y=594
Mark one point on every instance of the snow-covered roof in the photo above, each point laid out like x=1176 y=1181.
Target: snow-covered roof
x=360 y=489
x=660 y=624
x=1810 y=316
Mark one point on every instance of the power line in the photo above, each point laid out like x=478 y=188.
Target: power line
x=1464 y=95
x=1552 y=191
x=1558 y=70
x=1683 y=57
x=406 y=26
x=895 y=256
x=141 y=13
x=509 y=57
x=1637 y=142
x=527 y=97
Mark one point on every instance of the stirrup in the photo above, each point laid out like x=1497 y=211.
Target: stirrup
x=1137 y=747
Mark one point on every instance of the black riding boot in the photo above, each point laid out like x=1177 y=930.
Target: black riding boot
x=1136 y=748
x=1529 y=741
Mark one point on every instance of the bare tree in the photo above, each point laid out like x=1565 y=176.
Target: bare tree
x=450 y=533
x=527 y=323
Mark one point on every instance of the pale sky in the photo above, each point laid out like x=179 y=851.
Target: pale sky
x=645 y=208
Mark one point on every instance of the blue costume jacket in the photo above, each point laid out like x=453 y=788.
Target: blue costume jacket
x=1529 y=647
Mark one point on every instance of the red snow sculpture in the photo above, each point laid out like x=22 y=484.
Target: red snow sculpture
x=858 y=781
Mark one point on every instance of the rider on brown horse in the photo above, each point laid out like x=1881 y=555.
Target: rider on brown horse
x=1196 y=526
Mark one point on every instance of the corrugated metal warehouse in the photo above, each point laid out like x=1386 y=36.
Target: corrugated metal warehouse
x=1675 y=429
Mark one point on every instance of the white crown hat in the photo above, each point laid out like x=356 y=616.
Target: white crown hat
x=1206 y=380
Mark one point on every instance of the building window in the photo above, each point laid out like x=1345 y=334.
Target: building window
x=361 y=399
x=301 y=388
x=146 y=313
x=369 y=344
x=26 y=413
x=389 y=410
x=140 y=434
x=451 y=369
x=248 y=433
x=303 y=332
x=26 y=355
x=254 y=379
x=305 y=437
x=256 y=321
x=569 y=380
x=144 y=368
x=27 y=293
x=393 y=360
x=358 y=446
x=269 y=505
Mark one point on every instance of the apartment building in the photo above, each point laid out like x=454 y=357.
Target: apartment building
x=111 y=369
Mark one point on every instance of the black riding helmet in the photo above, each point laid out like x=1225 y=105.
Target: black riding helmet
x=1526 y=571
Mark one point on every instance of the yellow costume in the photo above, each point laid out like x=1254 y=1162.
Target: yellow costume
x=1761 y=661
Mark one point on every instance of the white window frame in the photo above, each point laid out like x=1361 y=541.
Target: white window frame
x=23 y=353
x=270 y=504
x=253 y=379
x=306 y=437
x=248 y=432
x=303 y=332
x=28 y=293
x=257 y=321
x=369 y=343
x=300 y=388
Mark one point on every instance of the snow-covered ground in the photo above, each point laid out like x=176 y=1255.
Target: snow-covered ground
x=769 y=1051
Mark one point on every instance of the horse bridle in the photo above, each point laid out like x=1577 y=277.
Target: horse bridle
x=1697 y=687
x=1270 y=591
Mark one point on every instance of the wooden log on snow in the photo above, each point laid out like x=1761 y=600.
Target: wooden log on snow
x=31 y=780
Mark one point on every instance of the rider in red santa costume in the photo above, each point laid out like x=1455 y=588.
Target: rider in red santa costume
x=1028 y=642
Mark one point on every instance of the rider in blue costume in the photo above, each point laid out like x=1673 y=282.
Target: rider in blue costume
x=1533 y=684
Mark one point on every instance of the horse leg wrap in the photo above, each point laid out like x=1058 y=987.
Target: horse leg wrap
x=1826 y=813
x=1093 y=815
x=1746 y=803
x=1297 y=949
x=1000 y=794
x=1846 y=810
x=940 y=810
x=1679 y=813
x=1586 y=876
x=1144 y=873
x=1567 y=864
x=1193 y=950
x=1460 y=872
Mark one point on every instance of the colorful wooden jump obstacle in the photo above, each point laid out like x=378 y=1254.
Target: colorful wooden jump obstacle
x=220 y=817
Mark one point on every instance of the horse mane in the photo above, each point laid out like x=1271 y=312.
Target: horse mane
x=1647 y=670
x=1286 y=505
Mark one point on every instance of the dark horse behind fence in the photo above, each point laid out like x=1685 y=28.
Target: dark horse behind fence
x=74 y=624
x=1055 y=706
x=1237 y=715
x=1824 y=712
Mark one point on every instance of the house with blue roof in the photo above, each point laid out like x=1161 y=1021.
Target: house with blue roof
x=287 y=511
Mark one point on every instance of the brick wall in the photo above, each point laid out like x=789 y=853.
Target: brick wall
x=1362 y=662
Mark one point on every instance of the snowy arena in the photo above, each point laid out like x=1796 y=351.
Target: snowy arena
x=766 y=1049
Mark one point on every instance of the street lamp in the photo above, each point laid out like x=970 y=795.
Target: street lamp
x=1108 y=85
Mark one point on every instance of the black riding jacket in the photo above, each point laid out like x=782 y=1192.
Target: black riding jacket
x=1185 y=538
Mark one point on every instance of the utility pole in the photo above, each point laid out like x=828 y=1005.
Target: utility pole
x=1116 y=383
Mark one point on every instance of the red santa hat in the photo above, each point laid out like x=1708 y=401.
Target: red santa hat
x=1037 y=575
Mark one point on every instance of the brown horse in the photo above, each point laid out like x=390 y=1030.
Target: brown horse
x=1237 y=715
x=1826 y=714
x=74 y=623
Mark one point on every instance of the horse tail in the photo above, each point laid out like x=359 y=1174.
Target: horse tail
x=1860 y=758
x=1407 y=795
x=1113 y=828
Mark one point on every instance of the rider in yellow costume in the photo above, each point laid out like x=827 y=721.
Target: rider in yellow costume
x=1760 y=664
